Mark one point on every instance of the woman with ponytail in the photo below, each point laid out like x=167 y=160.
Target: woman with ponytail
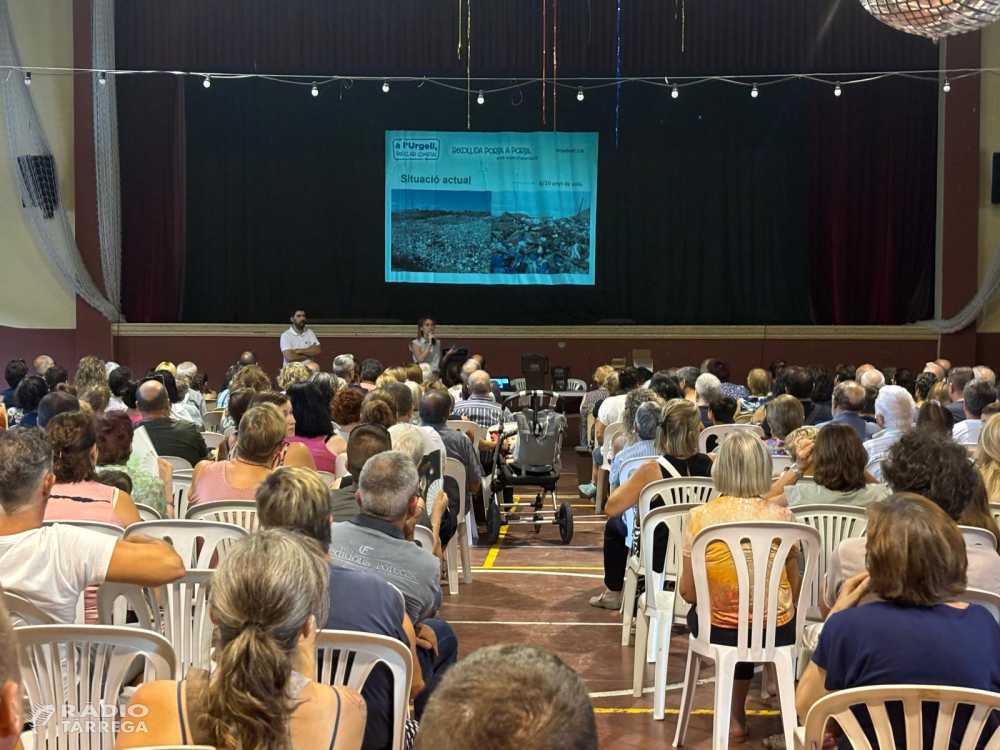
x=677 y=444
x=267 y=596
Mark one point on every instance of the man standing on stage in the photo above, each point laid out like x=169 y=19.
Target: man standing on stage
x=298 y=343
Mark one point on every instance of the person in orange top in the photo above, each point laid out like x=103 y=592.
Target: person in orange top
x=742 y=474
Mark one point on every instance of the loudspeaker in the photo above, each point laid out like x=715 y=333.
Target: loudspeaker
x=560 y=378
x=995 y=185
x=534 y=367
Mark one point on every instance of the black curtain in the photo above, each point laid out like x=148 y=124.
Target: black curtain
x=713 y=208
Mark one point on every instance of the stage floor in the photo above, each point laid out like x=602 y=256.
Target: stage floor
x=529 y=588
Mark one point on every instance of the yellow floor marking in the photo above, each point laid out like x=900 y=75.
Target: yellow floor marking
x=675 y=711
x=495 y=549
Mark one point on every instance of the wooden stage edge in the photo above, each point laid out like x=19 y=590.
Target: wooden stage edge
x=363 y=331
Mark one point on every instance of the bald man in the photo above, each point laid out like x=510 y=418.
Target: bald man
x=169 y=437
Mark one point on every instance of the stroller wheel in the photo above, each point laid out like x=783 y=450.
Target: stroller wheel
x=538 y=513
x=493 y=523
x=565 y=518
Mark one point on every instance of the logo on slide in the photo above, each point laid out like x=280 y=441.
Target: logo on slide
x=415 y=148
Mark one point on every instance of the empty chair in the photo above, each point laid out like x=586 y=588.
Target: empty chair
x=79 y=667
x=519 y=384
x=197 y=542
x=834 y=524
x=610 y=434
x=719 y=431
x=919 y=703
x=242 y=513
x=456 y=470
x=178 y=609
x=755 y=636
x=347 y=658
x=575 y=384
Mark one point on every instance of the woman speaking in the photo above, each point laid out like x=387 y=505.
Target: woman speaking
x=425 y=348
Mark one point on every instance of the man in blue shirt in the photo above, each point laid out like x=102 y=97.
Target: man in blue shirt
x=848 y=401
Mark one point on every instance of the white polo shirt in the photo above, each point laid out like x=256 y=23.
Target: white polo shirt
x=292 y=339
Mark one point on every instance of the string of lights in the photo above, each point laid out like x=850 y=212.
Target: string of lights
x=838 y=82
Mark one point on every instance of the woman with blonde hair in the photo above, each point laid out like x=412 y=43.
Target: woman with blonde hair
x=259 y=449
x=677 y=444
x=741 y=474
x=90 y=373
x=293 y=372
x=269 y=596
x=988 y=458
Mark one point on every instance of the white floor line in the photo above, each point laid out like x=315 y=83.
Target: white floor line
x=554 y=624
x=541 y=573
x=673 y=686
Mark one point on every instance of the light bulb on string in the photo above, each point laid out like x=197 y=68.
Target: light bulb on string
x=207 y=83
x=579 y=94
x=27 y=78
x=753 y=92
x=315 y=90
x=385 y=87
x=947 y=86
x=102 y=78
x=480 y=99
x=675 y=93
x=836 y=89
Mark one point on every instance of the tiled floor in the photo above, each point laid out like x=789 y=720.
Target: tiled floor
x=530 y=588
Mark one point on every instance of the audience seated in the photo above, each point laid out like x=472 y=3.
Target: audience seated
x=293 y=372
x=379 y=408
x=346 y=412
x=976 y=396
x=97 y=398
x=742 y=474
x=239 y=402
x=894 y=410
x=366 y=440
x=169 y=436
x=707 y=387
x=294 y=454
x=296 y=499
x=784 y=414
x=598 y=392
x=916 y=570
x=934 y=467
x=52 y=565
x=677 y=444
x=54 y=376
x=118 y=380
x=114 y=448
x=313 y=425
x=28 y=395
x=758 y=386
x=837 y=459
x=370 y=370
x=375 y=540
x=42 y=363
x=988 y=458
x=935 y=417
x=268 y=597
x=258 y=451
x=635 y=441
x=848 y=404
x=55 y=403
x=15 y=371
x=610 y=412
x=409 y=440
x=922 y=388
x=872 y=379
x=541 y=704
x=958 y=378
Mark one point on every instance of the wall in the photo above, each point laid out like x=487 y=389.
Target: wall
x=40 y=298
x=989 y=142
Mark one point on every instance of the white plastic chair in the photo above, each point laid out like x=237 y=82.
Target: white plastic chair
x=629 y=467
x=147 y=512
x=575 y=384
x=347 y=658
x=101 y=528
x=340 y=465
x=213 y=440
x=613 y=430
x=228 y=432
x=719 y=431
x=212 y=420
x=424 y=537
x=465 y=427
x=681 y=491
x=178 y=610
x=914 y=698
x=659 y=606
x=242 y=513
x=976 y=537
x=987 y=599
x=834 y=523
x=753 y=631
x=456 y=470
x=78 y=668
x=327 y=477
x=182 y=493
x=178 y=463
x=185 y=535
x=24 y=610
x=519 y=384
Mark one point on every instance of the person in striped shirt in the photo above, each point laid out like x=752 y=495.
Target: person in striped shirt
x=480 y=407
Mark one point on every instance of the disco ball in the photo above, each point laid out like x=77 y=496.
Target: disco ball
x=934 y=19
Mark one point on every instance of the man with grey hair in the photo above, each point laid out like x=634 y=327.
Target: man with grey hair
x=375 y=541
x=848 y=400
x=189 y=370
x=470 y=366
x=707 y=388
x=982 y=372
x=978 y=394
x=935 y=369
x=42 y=364
x=872 y=379
x=894 y=414
x=50 y=566
x=343 y=367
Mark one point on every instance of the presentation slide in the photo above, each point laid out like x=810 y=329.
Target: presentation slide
x=490 y=208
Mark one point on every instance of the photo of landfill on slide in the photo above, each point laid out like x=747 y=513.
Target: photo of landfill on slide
x=453 y=231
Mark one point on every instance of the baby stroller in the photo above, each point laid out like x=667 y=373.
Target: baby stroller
x=535 y=463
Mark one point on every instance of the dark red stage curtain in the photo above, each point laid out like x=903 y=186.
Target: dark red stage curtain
x=152 y=145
